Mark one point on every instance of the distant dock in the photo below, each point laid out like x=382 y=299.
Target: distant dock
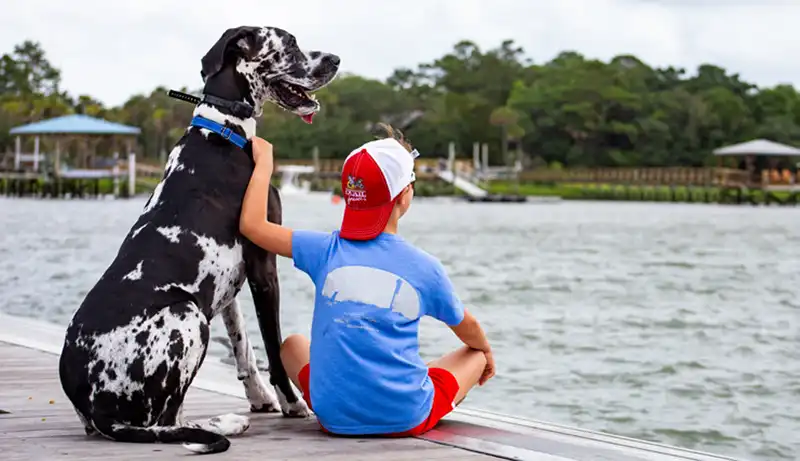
x=37 y=422
x=72 y=184
x=77 y=183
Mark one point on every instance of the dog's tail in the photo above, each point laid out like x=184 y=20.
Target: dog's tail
x=195 y=439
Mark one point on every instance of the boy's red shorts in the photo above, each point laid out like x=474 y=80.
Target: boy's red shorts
x=444 y=395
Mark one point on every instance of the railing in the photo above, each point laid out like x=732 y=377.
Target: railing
x=143 y=169
x=675 y=176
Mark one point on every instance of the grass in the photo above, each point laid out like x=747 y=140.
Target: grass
x=145 y=185
x=565 y=191
x=632 y=193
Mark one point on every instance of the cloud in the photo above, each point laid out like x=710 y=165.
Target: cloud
x=112 y=51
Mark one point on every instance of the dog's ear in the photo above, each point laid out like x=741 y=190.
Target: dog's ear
x=234 y=42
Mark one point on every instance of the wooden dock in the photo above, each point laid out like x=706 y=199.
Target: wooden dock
x=78 y=183
x=37 y=422
x=41 y=424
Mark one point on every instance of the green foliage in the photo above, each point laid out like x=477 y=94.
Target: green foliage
x=568 y=112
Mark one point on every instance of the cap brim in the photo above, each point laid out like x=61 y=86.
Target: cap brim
x=365 y=224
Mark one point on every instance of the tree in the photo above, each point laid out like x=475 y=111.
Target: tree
x=573 y=110
x=26 y=71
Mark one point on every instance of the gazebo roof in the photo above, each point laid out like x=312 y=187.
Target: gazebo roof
x=759 y=147
x=75 y=124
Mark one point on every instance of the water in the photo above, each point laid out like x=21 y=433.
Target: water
x=672 y=323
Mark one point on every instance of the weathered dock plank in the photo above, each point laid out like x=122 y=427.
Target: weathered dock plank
x=41 y=425
x=38 y=430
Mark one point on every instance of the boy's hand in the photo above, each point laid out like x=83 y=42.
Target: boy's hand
x=488 y=372
x=262 y=152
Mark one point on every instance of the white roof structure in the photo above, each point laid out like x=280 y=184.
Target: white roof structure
x=759 y=147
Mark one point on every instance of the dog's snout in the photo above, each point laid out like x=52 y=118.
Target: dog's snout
x=328 y=66
x=332 y=60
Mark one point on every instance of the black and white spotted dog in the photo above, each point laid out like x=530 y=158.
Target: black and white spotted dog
x=136 y=342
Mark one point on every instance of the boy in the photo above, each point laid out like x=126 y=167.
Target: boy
x=362 y=369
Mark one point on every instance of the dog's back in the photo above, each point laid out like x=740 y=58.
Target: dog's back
x=184 y=246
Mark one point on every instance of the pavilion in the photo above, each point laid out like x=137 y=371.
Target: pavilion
x=88 y=129
x=759 y=155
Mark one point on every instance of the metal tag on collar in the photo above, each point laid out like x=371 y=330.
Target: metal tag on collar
x=414 y=153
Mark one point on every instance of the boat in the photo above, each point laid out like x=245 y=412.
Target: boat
x=293 y=186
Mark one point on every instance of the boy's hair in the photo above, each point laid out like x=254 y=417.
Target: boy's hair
x=388 y=131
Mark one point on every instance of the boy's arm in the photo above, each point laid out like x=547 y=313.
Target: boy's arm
x=448 y=308
x=253 y=222
x=469 y=331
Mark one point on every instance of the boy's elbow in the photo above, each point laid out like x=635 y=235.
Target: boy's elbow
x=245 y=226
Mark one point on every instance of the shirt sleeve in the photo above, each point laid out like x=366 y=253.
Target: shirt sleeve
x=310 y=250
x=444 y=305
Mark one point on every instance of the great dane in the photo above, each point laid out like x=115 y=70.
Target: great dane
x=139 y=337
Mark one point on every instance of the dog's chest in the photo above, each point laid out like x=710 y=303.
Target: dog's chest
x=225 y=265
x=220 y=273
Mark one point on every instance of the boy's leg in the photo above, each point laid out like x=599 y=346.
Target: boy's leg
x=466 y=365
x=295 y=354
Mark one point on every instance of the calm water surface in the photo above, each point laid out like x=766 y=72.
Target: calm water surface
x=673 y=323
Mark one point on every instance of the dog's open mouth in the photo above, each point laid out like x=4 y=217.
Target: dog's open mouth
x=297 y=99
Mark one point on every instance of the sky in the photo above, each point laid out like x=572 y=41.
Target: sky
x=111 y=49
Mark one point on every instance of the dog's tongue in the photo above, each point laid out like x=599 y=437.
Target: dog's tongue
x=308 y=118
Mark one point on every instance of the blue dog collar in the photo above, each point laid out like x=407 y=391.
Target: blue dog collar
x=225 y=132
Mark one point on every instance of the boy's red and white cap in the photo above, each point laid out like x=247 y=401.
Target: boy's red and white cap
x=373 y=175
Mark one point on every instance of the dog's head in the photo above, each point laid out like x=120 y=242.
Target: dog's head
x=266 y=65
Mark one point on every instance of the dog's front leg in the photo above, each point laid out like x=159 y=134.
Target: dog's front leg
x=261 y=398
x=262 y=277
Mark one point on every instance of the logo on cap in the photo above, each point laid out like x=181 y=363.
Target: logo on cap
x=355 y=190
x=354 y=183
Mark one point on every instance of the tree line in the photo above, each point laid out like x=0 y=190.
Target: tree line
x=571 y=111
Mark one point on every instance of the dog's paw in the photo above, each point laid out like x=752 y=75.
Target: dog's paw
x=229 y=424
x=297 y=409
x=260 y=397
x=262 y=401
x=269 y=407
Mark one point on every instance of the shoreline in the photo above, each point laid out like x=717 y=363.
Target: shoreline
x=522 y=191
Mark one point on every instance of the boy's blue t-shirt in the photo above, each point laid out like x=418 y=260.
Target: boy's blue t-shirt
x=366 y=374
